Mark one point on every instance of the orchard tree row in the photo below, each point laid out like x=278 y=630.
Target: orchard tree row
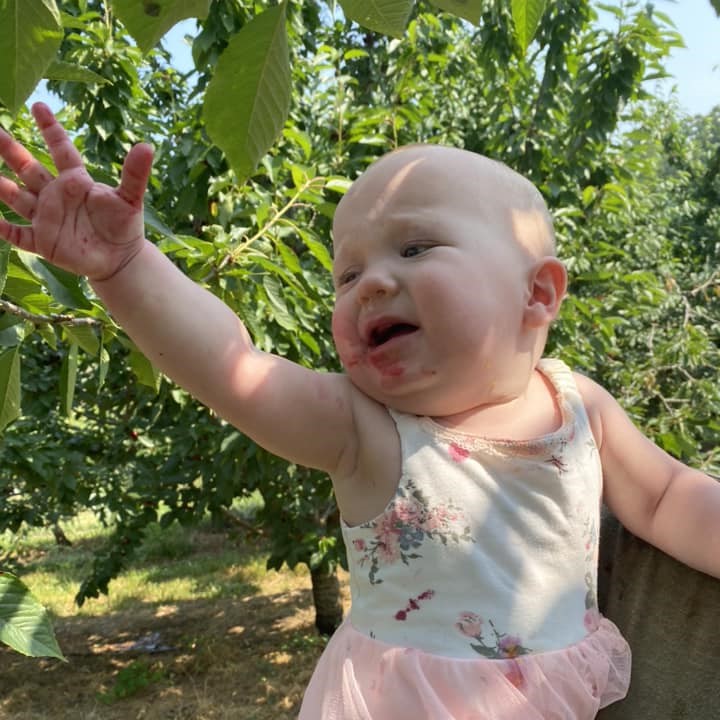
x=286 y=104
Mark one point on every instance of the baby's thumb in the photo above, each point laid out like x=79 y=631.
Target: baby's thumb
x=135 y=174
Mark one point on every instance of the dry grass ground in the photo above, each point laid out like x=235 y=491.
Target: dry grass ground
x=233 y=642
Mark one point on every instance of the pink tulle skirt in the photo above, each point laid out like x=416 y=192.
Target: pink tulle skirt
x=359 y=678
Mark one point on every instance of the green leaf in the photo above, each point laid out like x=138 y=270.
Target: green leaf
x=526 y=16
x=148 y=20
x=338 y=184
x=279 y=310
x=144 y=371
x=716 y=5
x=103 y=366
x=468 y=9
x=13 y=330
x=30 y=35
x=389 y=17
x=68 y=377
x=24 y=623
x=4 y=255
x=317 y=249
x=9 y=386
x=299 y=138
x=83 y=336
x=248 y=98
x=289 y=258
x=152 y=220
x=69 y=72
x=63 y=286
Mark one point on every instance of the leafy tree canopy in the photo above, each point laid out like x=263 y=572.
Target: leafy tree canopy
x=287 y=103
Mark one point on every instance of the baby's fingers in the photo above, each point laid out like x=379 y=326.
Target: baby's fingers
x=63 y=152
x=23 y=164
x=21 y=236
x=21 y=201
x=135 y=174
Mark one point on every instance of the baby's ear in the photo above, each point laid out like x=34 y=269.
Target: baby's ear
x=547 y=286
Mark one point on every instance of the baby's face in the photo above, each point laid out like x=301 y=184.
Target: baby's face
x=431 y=281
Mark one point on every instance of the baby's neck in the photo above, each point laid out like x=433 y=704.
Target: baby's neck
x=531 y=414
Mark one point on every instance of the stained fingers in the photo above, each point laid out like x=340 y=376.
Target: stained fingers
x=23 y=202
x=19 y=235
x=32 y=173
x=64 y=154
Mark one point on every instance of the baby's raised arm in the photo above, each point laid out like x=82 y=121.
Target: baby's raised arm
x=189 y=334
x=656 y=497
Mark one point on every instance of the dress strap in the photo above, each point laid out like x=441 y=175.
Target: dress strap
x=561 y=377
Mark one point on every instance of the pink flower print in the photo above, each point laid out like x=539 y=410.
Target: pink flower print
x=437 y=518
x=406 y=525
x=408 y=511
x=359 y=545
x=458 y=454
x=389 y=549
x=388 y=527
x=510 y=646
x=470 y=625
x=503 y=647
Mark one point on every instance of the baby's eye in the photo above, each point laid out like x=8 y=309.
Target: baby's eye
x=413 y=250
x=347 y=277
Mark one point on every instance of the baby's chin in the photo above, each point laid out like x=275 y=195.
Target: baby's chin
x=413 y=399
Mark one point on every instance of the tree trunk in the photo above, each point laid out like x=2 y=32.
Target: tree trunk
x=60 y=537
x=669 y=615
x=326 y=597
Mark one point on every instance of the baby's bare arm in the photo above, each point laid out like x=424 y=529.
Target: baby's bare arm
x=188 y=333
x=655 y=496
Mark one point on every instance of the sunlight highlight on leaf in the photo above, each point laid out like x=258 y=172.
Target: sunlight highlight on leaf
x=248 y=98
x=28 y=49
x=24 y=623
x=384 y=16
x=526 y=16
x=9 y=386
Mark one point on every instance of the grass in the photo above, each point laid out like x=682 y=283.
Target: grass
x=196 y=628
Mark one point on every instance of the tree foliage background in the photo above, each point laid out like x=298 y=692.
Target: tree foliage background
x=632 y=183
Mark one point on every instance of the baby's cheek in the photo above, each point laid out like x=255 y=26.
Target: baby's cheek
x=347 y=341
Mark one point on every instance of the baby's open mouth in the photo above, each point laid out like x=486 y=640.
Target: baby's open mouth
x=381 y=335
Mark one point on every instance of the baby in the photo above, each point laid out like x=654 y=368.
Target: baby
x=468 y=470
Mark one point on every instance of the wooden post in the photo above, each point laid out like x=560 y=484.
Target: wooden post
x=670 y=615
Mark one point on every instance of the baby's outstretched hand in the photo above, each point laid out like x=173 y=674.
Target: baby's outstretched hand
x=76 y=223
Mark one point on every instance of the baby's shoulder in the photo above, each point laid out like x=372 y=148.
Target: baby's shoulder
x=598 y=403
x=368 y=478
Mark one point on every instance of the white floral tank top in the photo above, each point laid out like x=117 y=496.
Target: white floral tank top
x=489 y=548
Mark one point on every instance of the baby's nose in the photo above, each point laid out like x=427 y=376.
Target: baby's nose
x=375 y=286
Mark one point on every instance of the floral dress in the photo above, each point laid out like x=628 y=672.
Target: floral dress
x=474 y=592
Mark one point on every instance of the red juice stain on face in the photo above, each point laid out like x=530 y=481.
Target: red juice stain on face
x=385 y=365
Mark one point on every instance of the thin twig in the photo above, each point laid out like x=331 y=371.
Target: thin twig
x=233 y=254
x=711 y=281
x=71 y=320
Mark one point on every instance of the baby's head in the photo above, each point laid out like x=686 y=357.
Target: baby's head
x=446 y=280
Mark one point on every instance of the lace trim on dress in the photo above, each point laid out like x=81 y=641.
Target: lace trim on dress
x=561 y=379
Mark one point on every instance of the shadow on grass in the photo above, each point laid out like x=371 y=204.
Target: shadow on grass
x=213 y=562
x=235 y=641
x=247 y=657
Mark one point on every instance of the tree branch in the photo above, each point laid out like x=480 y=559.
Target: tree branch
x=12 y=309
